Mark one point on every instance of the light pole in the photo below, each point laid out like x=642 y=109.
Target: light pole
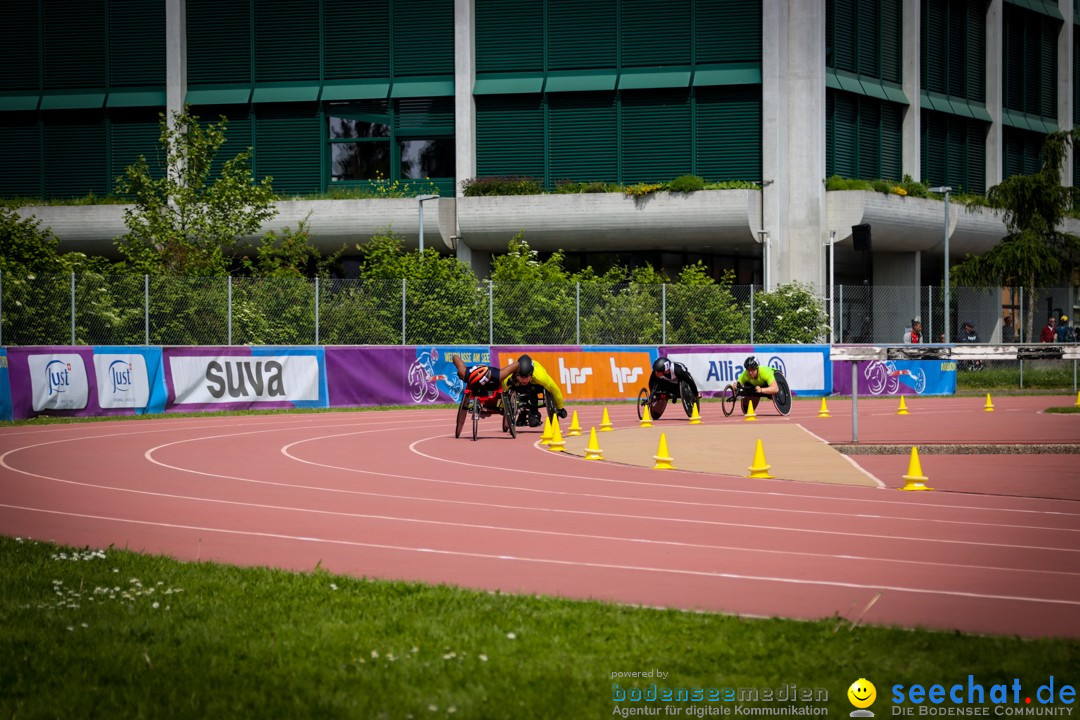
x=421 y=199
x=948 y=323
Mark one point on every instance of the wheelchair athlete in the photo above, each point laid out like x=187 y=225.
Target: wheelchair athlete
x=754 y=382
x=483 y=380
x=666 y=375
x=529 y=378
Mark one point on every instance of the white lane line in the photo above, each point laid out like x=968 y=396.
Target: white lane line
x=854 y=464
x=565 y=563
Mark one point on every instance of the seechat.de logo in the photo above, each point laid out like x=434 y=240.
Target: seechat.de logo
x=862 y=695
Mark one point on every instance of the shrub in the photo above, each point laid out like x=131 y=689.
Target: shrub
x=500 y=185
x=686 y=184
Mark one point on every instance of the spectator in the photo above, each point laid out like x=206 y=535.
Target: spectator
x=1049 y=332
x=913 y=334
x=967 y=334
x=1064 y=332
x=1008 y=332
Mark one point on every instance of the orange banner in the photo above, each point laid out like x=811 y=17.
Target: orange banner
x=593 y=374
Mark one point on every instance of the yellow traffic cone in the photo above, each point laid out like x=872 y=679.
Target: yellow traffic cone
x=1078 y=399
x=902 y=410
x=592 y=450
x=751 y=416
x=605 y=423
x=557 y=443
x=759 y=469
x=989 y=407
x=824 y=411
x=915 y=480
x=545 y=437
x=663 y=460
x=646 y=417
x=575 y=428
x=695 y=417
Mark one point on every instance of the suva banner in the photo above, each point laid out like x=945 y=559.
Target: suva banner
x=219 y=378
x=589 y=372
x=897 y=377
x=715 y=367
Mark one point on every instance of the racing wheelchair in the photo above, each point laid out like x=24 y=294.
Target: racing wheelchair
x=657 y=401
x=481 y=406
x=781 y=400
x=544 y=400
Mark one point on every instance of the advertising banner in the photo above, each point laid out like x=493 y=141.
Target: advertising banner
x=897 y=377
x=715 y=367
x=420 y=375
x=432 y=377
x=218 y=378
x=5 y=387
x=51 y=379
x=589 y=372
x=130 y=378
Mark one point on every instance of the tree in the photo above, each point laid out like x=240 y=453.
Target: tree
x=1034 y=250
x=185 y=221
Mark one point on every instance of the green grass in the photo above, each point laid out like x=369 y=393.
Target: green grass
x=116 y=634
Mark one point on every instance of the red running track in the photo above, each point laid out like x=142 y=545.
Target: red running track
x=394 y=495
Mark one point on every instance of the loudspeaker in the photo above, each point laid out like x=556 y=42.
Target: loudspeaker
x=860 y=236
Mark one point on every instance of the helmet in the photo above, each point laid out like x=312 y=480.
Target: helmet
x=1064 y=318
x=661 y=365
x=479 y=374
x=525 y=366
x=750 y=363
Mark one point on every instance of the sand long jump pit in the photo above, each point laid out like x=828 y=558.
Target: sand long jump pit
x=793 y=452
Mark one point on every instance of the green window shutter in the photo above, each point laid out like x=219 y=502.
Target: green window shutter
x=830 y=133
x=136 y=43
x=846 y=134
x=357 y=37
x=656 y=141
x=582 y=34
x=1048 y=70
x=1032 y=58
x=955 y=149
x=582 y=145
x=1076 y=82
x=19 y=47
x=288 y=147
x=976 y=157
x=423 y=37
x=75 y=47
x=20 y=146
x=509 y=36
x=1013 y=73
x=728 y=127
x=934 y=147
x=653 y=34
x=286 y=40
x=869 y=139
x=726 y=31
x=892 y=32
x=128 y=139
x=75 y=159
x=420 y=115
x=218 y=42
x=843 y=29
x=957 y=52
x=510 y=135
x=976 y=56
x=892 y=141
x=933 y=46
x=868 y=14
x=1014 y=153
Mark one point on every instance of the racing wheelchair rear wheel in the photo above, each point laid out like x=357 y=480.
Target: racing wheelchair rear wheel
x=462 y=414
x=509 y=403
x=475 y=418
x=727 y=402
x=782 y=399
x=687 y=397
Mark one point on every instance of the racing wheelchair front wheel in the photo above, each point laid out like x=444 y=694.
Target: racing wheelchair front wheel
x=782 y=399
x=727 y=402
x=642 y=401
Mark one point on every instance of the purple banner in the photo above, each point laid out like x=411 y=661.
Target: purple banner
x=54 y=380
x=361 y=376
x=896 y=377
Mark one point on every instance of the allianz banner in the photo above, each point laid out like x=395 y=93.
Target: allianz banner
x=219 y=378
x=588 y=372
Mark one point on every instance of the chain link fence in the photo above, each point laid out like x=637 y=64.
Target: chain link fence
x=93 y=309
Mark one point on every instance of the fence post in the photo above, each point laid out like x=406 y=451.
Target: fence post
x=316 y=309
x=230 y=310
x=402 y=311
x=930 y=312
x=146 y=309
x=72 y=308
x=577 y=315
x=751 y=314
x=663 y=313
x=491 y=312
x=840 y=320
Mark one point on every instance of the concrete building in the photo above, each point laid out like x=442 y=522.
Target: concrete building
x=780 y=93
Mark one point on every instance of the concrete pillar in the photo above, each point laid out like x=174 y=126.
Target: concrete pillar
x=995 y=160
x=175 y=55
x=912 y=82
x=793 y=137
x=897 y=295
x=1065 y=83
x=464 y=106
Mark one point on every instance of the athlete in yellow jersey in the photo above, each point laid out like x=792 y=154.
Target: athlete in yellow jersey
x=755 y=381
x=529 y=376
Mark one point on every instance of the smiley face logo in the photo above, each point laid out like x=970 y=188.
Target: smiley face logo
x=862 y=693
